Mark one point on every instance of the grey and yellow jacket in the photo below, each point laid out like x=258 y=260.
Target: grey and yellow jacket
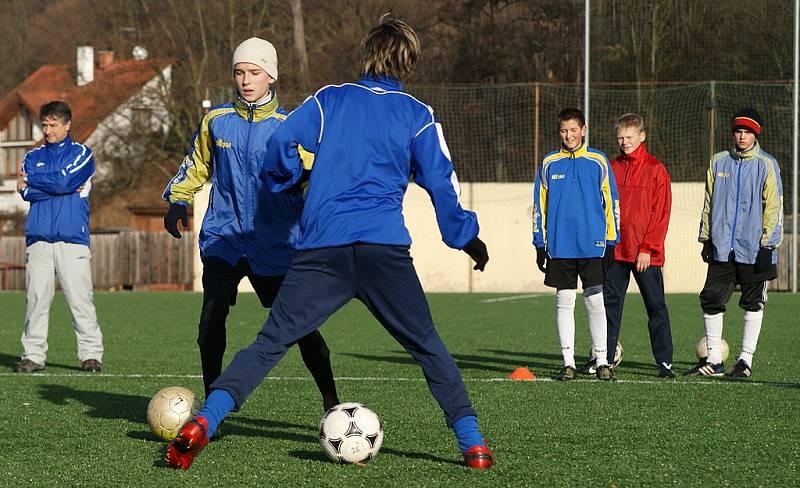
x=743 y=207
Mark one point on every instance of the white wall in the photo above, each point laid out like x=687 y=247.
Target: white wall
x=111 y=137
x=504 y=214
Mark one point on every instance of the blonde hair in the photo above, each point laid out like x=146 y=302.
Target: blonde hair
x=391 y=49
x=631 y=120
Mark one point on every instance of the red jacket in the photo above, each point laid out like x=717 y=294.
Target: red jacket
x=645 y=200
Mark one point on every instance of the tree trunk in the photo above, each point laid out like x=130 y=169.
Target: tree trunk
x=300 y=44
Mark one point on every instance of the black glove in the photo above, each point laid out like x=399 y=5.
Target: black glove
x=476 y=249
x=608 y=257
x=541 y=259
x=763 y=260
x=174 y=214
x=708 y=251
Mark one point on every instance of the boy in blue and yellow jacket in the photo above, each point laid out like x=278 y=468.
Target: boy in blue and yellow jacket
x=741 y=228
x=575 y=229
x=369 y=138
x=247 y=230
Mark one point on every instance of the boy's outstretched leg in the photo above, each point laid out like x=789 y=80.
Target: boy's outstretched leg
x=403 y=311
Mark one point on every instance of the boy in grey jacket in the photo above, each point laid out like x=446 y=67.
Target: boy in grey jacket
x=741 y=227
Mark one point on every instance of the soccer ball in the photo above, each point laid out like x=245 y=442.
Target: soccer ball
x=617 y=354
x=350 y=433
x=702 y=349
x=169 y=409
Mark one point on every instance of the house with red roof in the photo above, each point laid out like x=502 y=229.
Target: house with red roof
x=110 y=99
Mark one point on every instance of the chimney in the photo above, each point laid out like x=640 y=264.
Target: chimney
x=105 y=57
x=85 y=65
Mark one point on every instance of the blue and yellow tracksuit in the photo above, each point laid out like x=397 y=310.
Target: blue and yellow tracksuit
x=575 y=204
x=743 y=207
x=244 y=219
x=54 y=173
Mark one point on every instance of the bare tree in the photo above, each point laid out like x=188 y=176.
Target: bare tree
x=298 y=29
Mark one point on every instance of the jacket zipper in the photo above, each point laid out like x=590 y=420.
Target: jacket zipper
x=736 y=208
x=248 y=185
x=574 y=164
x=627 y=169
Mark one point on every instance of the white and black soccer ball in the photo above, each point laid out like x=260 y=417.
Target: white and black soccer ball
x=350 y=433
x=170 y=409
x=617 y=354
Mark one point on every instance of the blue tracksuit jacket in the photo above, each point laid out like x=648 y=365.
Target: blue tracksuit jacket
x=244 y=219
x=55 y=172
x=575 y=204
x=369 y=139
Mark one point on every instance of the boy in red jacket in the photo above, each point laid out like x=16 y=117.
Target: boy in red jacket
x=645 y=202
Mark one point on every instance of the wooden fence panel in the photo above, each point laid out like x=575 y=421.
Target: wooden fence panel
x=155 y=260
x=12 y=257
x=124 y=260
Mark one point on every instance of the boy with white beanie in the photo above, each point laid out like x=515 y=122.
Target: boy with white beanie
x=247 y=231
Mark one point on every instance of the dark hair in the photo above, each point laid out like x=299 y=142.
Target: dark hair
x=390 y=49
x=57 y=109
x=572 y=114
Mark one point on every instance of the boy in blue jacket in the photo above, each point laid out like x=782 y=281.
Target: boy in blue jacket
x=575 y=229
x=55 y=179
x=247 y=230
x=370 y=139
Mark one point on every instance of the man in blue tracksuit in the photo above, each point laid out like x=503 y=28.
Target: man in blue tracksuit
x=575 y=229
x=55 y=179
x=247 y=230
x=369 y=139
x=741 y=228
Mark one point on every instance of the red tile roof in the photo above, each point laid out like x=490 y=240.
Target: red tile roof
x=91 y=103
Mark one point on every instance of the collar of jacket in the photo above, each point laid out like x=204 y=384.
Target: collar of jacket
x=261 y=111
x=382 y=82
x=639 y=154
x=57 y=146
x=581 y=151
x=749 y=154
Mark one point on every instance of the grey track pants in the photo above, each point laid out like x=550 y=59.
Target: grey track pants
x=71 y=264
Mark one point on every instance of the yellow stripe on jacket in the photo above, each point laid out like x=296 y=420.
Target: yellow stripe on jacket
x=196 y=168
x=705 y=220
x=772 y=218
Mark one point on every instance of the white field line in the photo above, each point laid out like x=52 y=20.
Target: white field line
x=511 y=298
x=664 y=383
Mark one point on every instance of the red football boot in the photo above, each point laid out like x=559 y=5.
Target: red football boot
x=479 y=457
x=191 y=439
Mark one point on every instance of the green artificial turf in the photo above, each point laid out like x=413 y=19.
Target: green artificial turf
x=68 y=428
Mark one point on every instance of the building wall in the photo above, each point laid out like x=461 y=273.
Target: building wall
x=504 y=212
x=111 y=137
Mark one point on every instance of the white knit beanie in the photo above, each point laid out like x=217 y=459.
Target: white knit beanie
x=259 y=52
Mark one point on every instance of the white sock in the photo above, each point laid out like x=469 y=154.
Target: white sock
x=713 y=323
x=565 y=323
x=598 y=327
x=752 y=328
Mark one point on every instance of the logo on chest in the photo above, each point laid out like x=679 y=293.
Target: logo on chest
x=557 y=177
x=723 y=174
x=222 y=144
